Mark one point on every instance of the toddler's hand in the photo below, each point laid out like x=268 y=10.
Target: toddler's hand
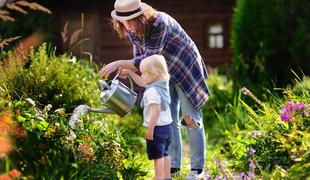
x=149 y=134
x=123 y=73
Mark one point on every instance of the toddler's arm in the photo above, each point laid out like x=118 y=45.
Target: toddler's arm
x=136 y=78
x=155 y=110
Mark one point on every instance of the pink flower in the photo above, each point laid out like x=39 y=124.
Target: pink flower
x=286 y=116
x=15 y=173
x=290 y=109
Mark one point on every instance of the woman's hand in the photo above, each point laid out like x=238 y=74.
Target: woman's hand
x=106 y=70
x=150 y=133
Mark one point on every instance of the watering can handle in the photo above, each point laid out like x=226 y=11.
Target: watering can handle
x=104 y=83
x=131 y=83
x=130 y=80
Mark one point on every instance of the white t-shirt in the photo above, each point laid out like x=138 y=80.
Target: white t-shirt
x=151 y=96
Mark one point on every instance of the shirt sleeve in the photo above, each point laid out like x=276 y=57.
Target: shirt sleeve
x=155 y=43
x=151 y=97
x=137 y=56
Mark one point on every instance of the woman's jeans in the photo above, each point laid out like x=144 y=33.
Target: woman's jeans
x=196 y=135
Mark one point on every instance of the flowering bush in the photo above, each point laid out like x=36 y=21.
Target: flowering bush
x=271 y=141
x=38 y=101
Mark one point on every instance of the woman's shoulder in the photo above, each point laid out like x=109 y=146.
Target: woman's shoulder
x=161 y=17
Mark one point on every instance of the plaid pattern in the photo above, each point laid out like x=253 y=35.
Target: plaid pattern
x=185 y=64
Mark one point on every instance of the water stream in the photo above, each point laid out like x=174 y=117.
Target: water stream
x=74 y=121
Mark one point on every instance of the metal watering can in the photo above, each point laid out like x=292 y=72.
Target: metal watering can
x=116 y=96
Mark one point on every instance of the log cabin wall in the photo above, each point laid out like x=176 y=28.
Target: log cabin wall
x=207 y=22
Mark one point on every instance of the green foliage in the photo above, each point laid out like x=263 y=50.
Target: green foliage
x=270 y=140
x=269 y=39
x=58 y=80
x=221 y=94
x=41 y=96
x=131 y=127
x=83 y=154
x=302 y=88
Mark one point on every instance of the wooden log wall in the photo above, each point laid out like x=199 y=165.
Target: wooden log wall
x=194 y=16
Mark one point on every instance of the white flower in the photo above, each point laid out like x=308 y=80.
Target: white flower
x=42 y=78
x=74 y=121
x=71 y=136
x=60 y=111
x=40 y=118
x=57 y=124
x=73 y=59
x=98 y=123
x=2 y=89
x=30 y=101
x=47 y=108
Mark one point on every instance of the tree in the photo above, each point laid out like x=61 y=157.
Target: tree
x=270 y=39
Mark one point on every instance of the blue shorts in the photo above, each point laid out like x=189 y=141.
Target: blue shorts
x=159 y=146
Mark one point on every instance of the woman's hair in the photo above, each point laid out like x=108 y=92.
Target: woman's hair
x=155 y=65
x=141 y=23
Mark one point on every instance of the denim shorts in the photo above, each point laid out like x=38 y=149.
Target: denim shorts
x=159 y=146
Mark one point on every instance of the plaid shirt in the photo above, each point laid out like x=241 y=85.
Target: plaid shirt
x=185 y=64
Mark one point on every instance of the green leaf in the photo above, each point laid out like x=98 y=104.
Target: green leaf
x=21 y=119
x=42 y=125
x=74 y=165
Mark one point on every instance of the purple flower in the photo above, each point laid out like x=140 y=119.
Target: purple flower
x=250 y=174
x=253 y=133
x=251 y=151
x=242 y=175
x=256 y=133
x=290 y=109
x=286 y=116
x=252 y=165
x=245 y=91
x=208 y=176
x=299 y=107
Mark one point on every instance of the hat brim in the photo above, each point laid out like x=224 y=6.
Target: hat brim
x=126 y=18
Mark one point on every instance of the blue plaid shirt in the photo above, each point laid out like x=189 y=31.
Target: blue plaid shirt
x=185 y=64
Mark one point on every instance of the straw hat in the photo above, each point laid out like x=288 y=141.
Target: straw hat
x=125 y=10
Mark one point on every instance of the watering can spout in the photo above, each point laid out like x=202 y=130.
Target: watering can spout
x=101 y=110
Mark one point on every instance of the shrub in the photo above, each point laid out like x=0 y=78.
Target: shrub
x=273 y=142
x=40 y=96
x=58 y=80
x=269 y=39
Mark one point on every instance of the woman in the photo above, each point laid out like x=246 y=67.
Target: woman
x=154 y=32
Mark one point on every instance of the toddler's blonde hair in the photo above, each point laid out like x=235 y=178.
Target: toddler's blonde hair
x=156 y=65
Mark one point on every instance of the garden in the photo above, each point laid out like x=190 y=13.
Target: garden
x=257 y=120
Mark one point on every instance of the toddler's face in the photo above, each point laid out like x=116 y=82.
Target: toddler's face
x=147 y=77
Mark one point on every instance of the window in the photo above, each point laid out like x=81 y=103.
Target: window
x=215 y=34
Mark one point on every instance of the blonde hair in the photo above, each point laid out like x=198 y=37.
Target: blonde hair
x=155 y=65
x=141 y=23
